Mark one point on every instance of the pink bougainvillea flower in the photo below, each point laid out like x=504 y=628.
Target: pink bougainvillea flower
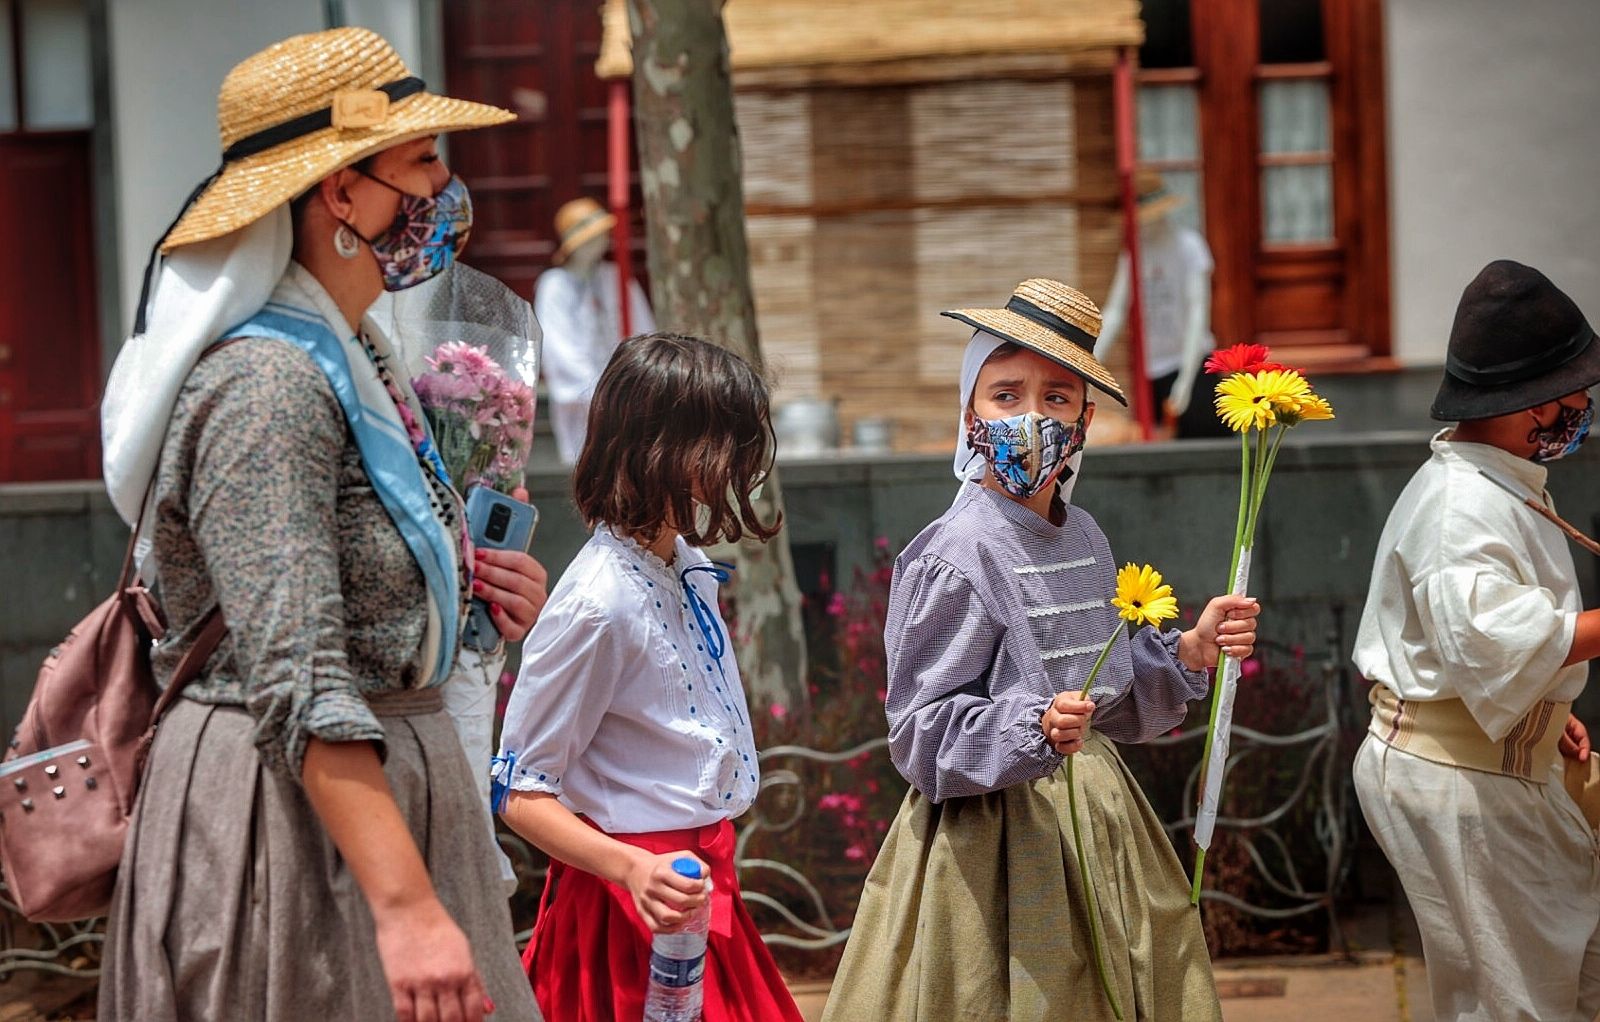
x=778 y=711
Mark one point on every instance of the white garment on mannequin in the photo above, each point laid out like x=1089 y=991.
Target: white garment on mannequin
x=1175 y=273
x=579 y=312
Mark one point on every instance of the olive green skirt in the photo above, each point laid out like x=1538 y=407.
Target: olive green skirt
x=975 y=910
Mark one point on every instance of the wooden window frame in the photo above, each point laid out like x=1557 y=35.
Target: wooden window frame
x=1227 y=74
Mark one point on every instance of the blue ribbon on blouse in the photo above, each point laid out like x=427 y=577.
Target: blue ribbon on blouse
x=388 y=457
x=705 y=617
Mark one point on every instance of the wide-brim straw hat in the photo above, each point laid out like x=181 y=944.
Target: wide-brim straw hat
x=1058 y=322
x=303 y=108
x=1154 y=201
x=577 y=222
x=1517 y=342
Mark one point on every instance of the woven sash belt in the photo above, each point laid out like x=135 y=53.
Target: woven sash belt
x=412 y=701
x=1444 y=731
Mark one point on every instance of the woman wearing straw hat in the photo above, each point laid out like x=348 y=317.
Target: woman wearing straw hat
x=579 y=305
x=308 y=843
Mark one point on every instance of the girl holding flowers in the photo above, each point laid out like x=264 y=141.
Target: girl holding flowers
x=979 y=907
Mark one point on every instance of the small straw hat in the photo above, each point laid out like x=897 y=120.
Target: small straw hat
x=303 y=108
x=1155 y=201
x=1056 y=321
x=579 y=221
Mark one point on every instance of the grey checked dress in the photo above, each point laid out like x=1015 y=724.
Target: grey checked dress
x=974 y=909
x=232 y=902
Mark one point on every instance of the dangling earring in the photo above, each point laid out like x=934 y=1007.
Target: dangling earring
x=345 y=242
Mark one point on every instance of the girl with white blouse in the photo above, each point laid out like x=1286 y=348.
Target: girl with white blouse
x=627 y=741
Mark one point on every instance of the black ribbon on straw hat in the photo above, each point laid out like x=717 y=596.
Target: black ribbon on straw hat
x=260 y=142
x=1050 y=321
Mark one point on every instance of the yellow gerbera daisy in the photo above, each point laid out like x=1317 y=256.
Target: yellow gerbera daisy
x=1314 y=407
x=1255 y=400
x=1142 y=597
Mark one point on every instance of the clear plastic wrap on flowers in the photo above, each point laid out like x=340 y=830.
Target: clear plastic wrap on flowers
x=471 y=346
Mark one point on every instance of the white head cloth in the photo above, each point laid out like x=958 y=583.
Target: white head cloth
x=969 y=464
x=202 y=290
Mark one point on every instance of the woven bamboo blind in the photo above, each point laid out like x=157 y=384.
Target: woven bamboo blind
x=871 y=209
x=917 y=36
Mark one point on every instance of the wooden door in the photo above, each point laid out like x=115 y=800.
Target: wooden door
x=536 y=58
x=1269 y=115
x=49 y=308
x=49 y=324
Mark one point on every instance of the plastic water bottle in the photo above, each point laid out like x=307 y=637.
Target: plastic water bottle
x=678 y=961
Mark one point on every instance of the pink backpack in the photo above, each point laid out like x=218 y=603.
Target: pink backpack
x=69 y=780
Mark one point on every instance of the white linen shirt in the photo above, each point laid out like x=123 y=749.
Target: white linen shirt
x=620 y=709
x=1473 y=595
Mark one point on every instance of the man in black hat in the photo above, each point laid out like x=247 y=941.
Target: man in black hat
x=1476 y=640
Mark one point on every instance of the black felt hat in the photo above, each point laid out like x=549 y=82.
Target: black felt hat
x=1517 y=342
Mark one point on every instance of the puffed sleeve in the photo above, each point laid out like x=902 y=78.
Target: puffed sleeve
x=263 y=510
x=1158 y=699
x=571 y=663
x=1502 y=640
x=947 y=736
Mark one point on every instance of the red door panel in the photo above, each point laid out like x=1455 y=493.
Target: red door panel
x=538 y=60
x=49 y=320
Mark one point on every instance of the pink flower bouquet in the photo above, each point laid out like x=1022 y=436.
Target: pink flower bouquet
x=482 y=417
x=471 y=346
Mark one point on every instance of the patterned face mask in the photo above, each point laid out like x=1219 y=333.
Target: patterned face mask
x=428 y=233
x=1566 y=434
x=1026 y=453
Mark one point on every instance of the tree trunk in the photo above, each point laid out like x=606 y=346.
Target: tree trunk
x=690 y=167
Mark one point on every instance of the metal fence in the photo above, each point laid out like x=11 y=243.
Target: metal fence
x=805 y=920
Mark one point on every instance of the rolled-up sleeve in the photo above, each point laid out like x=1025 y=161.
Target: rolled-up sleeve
x=572 y=662
x=1502 y=640
x=263 y=510
x=1158 y=699
x=947 y=736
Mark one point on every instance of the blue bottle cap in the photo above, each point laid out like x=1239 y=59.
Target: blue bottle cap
x=686 y=867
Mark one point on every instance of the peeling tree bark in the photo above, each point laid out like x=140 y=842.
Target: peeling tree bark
x=689 y=163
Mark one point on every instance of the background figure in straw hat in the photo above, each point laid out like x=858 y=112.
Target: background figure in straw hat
x=1476 y=641
x=1175 y=278
x=975 y=908
x=580 y=311
x=308 y=842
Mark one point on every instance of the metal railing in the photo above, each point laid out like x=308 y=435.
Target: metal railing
x=805 y=921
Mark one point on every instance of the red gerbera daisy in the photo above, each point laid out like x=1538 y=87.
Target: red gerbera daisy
x=1242 y=358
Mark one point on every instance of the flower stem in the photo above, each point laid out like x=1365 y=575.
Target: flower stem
x=1083 y=859
x=1246 y=503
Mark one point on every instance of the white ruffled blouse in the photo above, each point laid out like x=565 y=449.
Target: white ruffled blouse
x=621 y=708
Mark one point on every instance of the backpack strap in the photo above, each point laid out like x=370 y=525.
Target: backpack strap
x=212 y=628
x=194 y=661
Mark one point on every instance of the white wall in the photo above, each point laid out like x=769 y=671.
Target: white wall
x=1494 y=151
x=168 y=57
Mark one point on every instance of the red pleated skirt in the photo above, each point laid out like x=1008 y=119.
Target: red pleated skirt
x=589 y=960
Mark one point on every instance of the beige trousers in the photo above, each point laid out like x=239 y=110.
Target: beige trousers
x=1504 y=878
